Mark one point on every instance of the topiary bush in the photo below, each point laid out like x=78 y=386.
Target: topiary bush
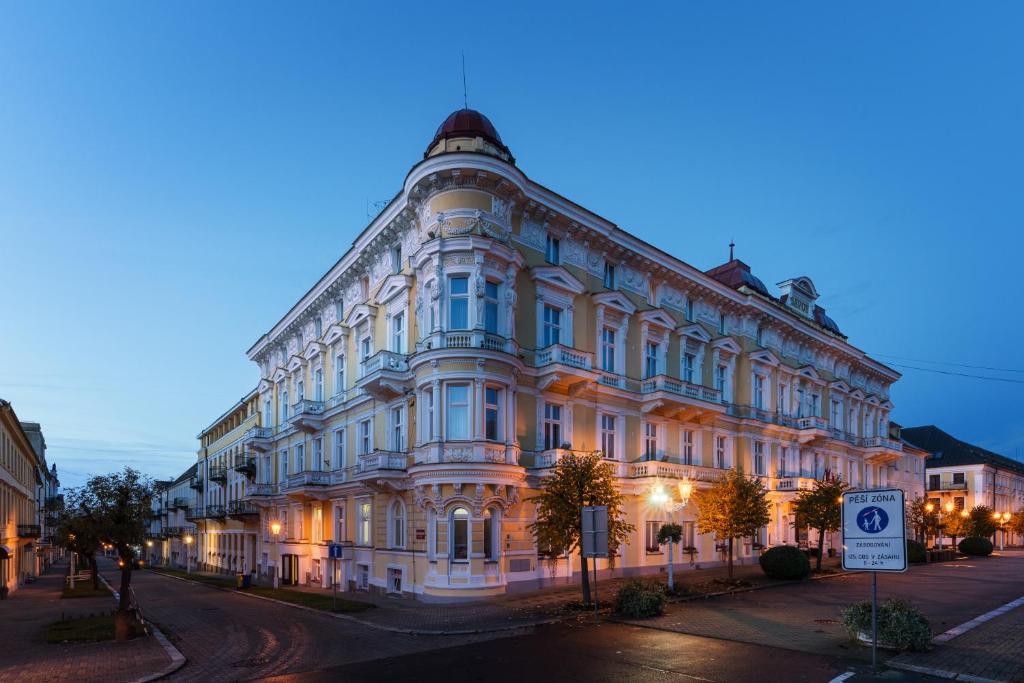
x=976 y=545
x=641 y=599
x=785 y=562
x=915 y=552
x=901 y=626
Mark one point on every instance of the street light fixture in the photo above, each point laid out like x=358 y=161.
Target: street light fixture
x=188 y=556
x=275 y=528
x=1001 y=519
x=663 y=499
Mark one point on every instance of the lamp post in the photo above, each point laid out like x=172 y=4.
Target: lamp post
x=275 y=528
x=188 y=556
x=663 y=499
x=929 y=509
x=948 y=507
x=1001 y=519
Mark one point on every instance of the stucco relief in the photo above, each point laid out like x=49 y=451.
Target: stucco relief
x=634 y=280
x=671 y=297
x=532 y=233
x=574 y=252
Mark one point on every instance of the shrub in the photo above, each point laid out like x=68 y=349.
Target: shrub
x=976 y=545
x=900 y=625
x=785 y=562
x=915 y=552
x=640 y=599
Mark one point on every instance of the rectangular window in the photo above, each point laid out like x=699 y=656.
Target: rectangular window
x=318 y=453
x=720 y=449
x=318 y=327
x=958 y=502
x=365 y=348
x=758 y=391
x=339 y=524
x=650 y=440
x=365 y=436
x=397 y=433
x=783 y=457
x=958 y=477
x=283 y=474
x=721 y=323
x=318 y=384
x=300 y=391
x=365 y=524
x=759 y=457
x=687 y=446
x=608 y=349
x=339 y=373
x=458 y=303
x=689 y=529
x=551 y=251
x=339 y=448
x=300 y=458
x=398 y=332
x=720 y=373
x=457 y=410
x=651 y=359
x=284 y=405
x=759 y=338
x=396 y=259
x=836 y=413
x=339 y=310
x=491 y=307
x=781 y=406
x=689 y=309
x=492 y=413
x=609 y=276
x=689 y=361
x=608 y=435
x=429 y=427
x=552 y=426
x=552 y=326
x=651 y=536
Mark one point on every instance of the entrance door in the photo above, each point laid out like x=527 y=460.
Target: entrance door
x=290 y=570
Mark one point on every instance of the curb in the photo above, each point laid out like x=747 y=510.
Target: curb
x=977 y=621
x=381 y=627
x=748 y=589
x=941 y=673
x=177 y=659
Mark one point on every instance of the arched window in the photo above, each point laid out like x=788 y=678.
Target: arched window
x=396 y=525
x=492 y=533
x=458 y=534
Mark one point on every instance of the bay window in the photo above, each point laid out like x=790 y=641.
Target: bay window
x=458 y=303
x=492 y=413
x=459 y=534
x=491 y=307
x=457 y=412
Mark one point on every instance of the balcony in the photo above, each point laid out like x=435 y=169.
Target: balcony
x=179 y=504
x=560 y=354
x=29 y=531
x=381 y=461
x=245 y=465
x=678 y=398
x=218 y=473
x=196 y=483
x=793 y=483
x=383 y=374
x=673 y=469
x=258 y=438
x=308 y=478
x=173 y=531
x=261 y=489
x=215 y=512
x=193 y=514
x=466 y=452
x=307 y=415
x=949 y=486
x=238 y=509
x=469 y=339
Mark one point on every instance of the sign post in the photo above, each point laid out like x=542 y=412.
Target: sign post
x=874 y=540
x=594 y=537
x=334 y=552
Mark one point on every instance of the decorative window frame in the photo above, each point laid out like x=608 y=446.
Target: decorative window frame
x=556 y=287
x=656 y=326
x=619 y=435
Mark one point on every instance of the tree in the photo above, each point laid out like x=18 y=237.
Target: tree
x=734 y=506
x=579 y=480
x=923 y=522
x=79 y=533
x=957 y=525
x=821 y=508
x=981 y=521
x=670 y=533
x=1016 y=523
x=119 y=505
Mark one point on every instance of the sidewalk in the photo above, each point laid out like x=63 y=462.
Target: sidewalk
x=28 y=657
x=992 y=651
x=519 y=610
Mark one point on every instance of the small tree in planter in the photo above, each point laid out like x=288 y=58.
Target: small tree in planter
x=981 y=522
x=957 y=525
x=821 y=508
x=900 y=625
x=923 y=522
x=670 y=533
x=734 y=506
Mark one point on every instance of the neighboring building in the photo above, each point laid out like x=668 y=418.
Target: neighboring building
x=968 y=475
x=48 y=500
x=480 y=328
x=22 y=487
x=173 y=506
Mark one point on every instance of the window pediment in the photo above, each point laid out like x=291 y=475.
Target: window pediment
x=857 y=394
x=695 y=332
x=279 y=375
x=726 y=344
x=313 y=349
x=809 y=372
x=658 y=317
x=839 y=385
x=616 y=301
x=558 y=278
x=361 y=314
x=393 y=286
x=766 y=357
x=295 y=363
x=886 y=404
x=873 y=400
x=335 y=332
x=264 y=386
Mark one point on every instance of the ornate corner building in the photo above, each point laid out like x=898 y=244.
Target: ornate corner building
x=481 y=327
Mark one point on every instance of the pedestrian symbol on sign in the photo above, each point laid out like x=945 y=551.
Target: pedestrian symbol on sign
x=872 y=520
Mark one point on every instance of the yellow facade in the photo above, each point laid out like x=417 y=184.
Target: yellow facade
x=22 y=487
x=414 y=400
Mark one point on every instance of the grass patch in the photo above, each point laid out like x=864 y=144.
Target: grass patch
x=84 y=630
x=321 y=601
x=84 y=589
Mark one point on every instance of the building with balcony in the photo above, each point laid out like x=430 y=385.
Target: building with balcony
x=483 y=326
x=967 y=475
x=171 y=524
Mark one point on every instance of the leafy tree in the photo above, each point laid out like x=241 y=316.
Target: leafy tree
x=79 y=532
x=1016 y=523
x=670 y=533
x=579 y=480
x=119 y=505
x=923 y=522
x=982 y=523
x=821 y=508
x=957 y=525
x=734 y=506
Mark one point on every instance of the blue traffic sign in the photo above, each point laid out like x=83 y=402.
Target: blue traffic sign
x=872 y=520
x=334 y=551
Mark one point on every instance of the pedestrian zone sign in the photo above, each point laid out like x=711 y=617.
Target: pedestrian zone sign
x=874 y=531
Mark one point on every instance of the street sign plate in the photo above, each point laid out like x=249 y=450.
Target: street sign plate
x=594 y=539
x=335 y=551
x=874 y=531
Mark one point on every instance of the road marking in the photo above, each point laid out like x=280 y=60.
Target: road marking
x=977 y=621
x=842 y=677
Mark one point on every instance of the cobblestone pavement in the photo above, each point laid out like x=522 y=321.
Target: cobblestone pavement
x=231 y=637
x=805 y=616
x=26 y=656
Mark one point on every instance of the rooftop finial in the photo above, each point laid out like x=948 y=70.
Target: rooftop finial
x=465 y=95
x=731 y=245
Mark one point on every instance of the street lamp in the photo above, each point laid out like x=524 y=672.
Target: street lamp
x=275 y=528
x=188 y=557
x=1001 y=519
x=663 y=499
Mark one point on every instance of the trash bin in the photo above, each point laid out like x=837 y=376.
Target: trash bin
x=247 y=581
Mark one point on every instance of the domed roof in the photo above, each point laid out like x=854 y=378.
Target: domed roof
x=467 y=123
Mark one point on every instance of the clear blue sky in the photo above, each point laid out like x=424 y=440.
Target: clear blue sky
x=173 y=177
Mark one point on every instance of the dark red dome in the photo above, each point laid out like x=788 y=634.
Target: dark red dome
x=468 y=123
